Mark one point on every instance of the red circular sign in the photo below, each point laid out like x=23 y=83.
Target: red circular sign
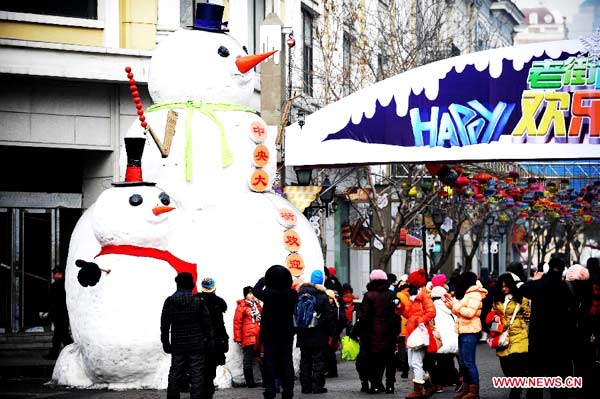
x=295 y=264
x=291 y=240
x=261 y=155
x=258 y=132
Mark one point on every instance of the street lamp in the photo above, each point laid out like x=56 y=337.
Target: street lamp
x=300 y=115
x=303 y=175
x=489 y=221
x=326 y=197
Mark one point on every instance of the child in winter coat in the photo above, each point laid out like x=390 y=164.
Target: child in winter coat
x=467 y=307
x=421 y=310
x=246 y=331
x=348 y=299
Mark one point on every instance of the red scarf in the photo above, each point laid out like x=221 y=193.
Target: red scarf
x=179 y=265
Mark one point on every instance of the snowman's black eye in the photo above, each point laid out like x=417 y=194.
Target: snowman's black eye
x=136 y=200
x=245 y=49
x=223 y=51
x=164 y=198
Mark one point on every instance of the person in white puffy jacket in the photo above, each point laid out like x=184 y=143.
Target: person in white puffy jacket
x=441 y=365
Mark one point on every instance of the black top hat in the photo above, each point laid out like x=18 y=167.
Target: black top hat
x=209 y=17
x=134 y=146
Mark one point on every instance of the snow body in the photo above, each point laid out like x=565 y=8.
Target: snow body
x=116 y=323
x=232 y=233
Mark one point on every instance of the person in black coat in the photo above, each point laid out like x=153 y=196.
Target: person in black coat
x=379 y=327
x=341 y=323
x=277 y=329
x=552 y=312
x=58 y=314
x=216 y=307
x=313 y=341
x=186 y=318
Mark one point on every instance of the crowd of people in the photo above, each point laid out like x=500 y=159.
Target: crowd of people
x=547 y=326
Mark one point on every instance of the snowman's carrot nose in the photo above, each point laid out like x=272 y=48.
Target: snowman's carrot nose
x=157 y=210
x=246 y=63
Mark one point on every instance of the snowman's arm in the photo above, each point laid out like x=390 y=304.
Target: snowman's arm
x=89 y=274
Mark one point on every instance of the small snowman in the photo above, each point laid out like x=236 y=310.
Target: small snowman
x=115 y=317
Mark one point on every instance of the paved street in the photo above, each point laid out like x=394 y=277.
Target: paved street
x=345 y=386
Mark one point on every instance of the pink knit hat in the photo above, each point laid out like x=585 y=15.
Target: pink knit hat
x=577 y=272
x=439 y=280
x=377 y=274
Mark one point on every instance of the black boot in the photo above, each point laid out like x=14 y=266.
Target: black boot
x=364 y=386
x=249 y=377
x=376 y=388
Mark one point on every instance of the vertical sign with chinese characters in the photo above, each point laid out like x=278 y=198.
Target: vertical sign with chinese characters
x=259 y=179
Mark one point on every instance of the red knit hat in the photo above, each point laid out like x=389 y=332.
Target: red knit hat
x=417 y=278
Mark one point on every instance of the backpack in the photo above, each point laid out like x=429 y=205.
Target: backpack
x=305 y=314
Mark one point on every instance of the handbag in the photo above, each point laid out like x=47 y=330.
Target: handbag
x=435 y=338
x=418 y=338
x=502 y=341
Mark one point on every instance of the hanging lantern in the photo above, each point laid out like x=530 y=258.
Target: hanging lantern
x=426 y=185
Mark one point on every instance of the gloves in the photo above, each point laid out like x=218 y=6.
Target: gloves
x=167 y=348
x=90 y=273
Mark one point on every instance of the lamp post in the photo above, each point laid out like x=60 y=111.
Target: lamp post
x=489 y=221
x=502 y=250
x=424 y=239
x=326 y=196
x=438 y=219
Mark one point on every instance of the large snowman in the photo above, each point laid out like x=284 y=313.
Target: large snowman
x=230 y=224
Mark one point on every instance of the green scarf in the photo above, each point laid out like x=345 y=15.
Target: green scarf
x=209 y=110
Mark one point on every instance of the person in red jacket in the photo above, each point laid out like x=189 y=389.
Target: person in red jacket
x=420 y=310
x=246 y=330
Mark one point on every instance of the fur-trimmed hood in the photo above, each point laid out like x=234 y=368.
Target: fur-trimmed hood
x=318 y=287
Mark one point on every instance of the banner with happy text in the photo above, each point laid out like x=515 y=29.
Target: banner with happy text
x=536 y=101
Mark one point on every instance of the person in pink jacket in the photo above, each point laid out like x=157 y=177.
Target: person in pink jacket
x=467 y=307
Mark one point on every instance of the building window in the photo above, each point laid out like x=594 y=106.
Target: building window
x=61 y=8
x=307 y=51
x=346 y=63
x=533 y=18
x=256 y=16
